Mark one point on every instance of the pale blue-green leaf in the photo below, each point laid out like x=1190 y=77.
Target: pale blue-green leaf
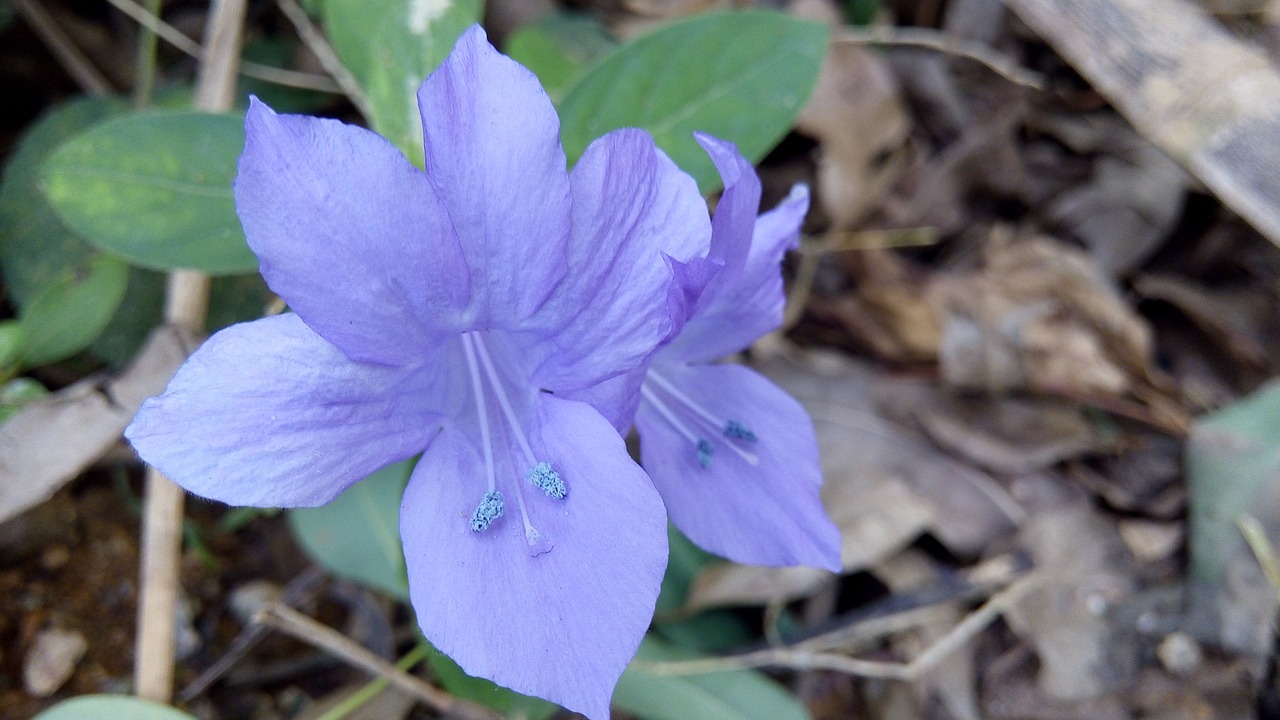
x=37 y=246
x=18 y=392
x=111 y=707
x=391 y=46
x=729 y=695
x=740 y=76
x=357 y=536
x=508 y=702
x=155 y=188
x=72 y=311
x=560 y=48
x=1232 y=456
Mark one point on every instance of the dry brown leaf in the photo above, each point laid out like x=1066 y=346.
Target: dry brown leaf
x=1066 y=620
x=857 y=116
x=50 y=441
x=1209 y=100
x=1039 y=315
x=1005 y=434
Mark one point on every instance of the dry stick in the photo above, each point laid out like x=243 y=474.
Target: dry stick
x=926 y=39
x=299 y=626
x=63 y=48
x=186 y=304
x=802 y=657
x=184 y=44
x=318 y=45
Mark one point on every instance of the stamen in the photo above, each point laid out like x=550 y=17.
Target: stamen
x=482 y=410
x=547 y=480
x=503 y=401
x=738 y=431
x=702 y=445
x=688 y=402
x=489 y=509
x=705 y=451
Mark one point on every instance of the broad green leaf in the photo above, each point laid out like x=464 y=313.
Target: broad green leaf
x=729 y=695
x=391 y=46
x=1233 y=455
x=740 y=76
x=12 y=338
x=111 y=707
x=506 y=701
x=18 y=392
x=684 y=560
x=357 y=536
x=559 y=49
x=73 y=311
x=710 y=631
x=37 y=247
x=155 y=188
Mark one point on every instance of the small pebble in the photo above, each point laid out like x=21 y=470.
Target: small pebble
x=55 y=557
x=245 y=601
x=51 y=661
x=1179 y=653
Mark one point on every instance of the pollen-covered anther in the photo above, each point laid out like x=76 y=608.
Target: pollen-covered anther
x=547 y=480
x=705 y=451
x=737 y=431
x=489 y=509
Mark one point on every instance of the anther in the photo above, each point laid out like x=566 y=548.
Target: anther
x=705 y=451
x=737 y=431
x=489 y=509
x=546 y=480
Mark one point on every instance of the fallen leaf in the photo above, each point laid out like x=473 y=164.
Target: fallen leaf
x=50 y=441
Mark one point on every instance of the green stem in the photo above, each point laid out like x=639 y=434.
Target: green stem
x=352 y=702
x=145 y=62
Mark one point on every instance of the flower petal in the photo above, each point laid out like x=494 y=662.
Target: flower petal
x=349 y=234
x=766 y=513
x=493 y=155
x=562 y=624
x=633 y=211
x=270 y=414
x=746 y=299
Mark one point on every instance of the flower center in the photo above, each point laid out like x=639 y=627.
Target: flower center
x=671 y=403
x=486 y=380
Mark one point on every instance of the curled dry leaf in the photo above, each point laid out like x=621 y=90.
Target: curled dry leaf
x=1040 y=315
x=857 y=116
x=50 y=441
x=1069 y=620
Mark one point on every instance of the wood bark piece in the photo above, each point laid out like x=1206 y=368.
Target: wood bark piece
x=1208 y=99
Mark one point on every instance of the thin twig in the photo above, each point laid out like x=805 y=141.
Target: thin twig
x=299 y=626
x=63 y=48
x=187 y=46
x=363 y=695
x=295 y=593
x=926 y=39
x=805 y=656
x=320 y=47
x=186 y=304
x=145 y=63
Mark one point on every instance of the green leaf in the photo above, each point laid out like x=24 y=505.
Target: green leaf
x=740 y=76
x=729 y=695
x=73 y=311
x=12 y=339
x=357 y=536
x=391 y=46
x=684 y=560
x=1232 y=456
x=506 y=701
x=155 y=188
x=111 y=707
x=559 y=49
x=18 y=392
x=38 y=247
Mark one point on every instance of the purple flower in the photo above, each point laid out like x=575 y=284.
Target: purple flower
x=450 y=312
x=735 y=457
